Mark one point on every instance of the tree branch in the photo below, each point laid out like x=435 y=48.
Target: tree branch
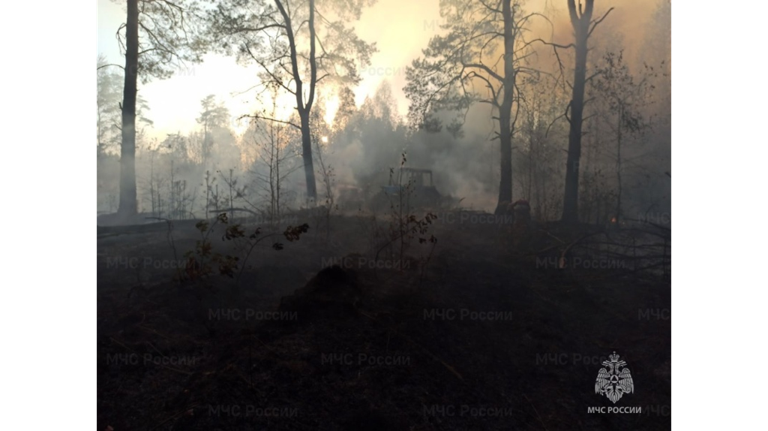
x=275 y=79
x=594 y=25
x=312 y=60
x=294 y=58
x=261 y=117
x=598 y=73
x=556 y=45
x=484 y=68
x=110 y=64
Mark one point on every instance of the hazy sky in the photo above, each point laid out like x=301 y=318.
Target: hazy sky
x=401 y=29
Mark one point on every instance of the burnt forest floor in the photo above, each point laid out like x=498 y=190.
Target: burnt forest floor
x=473 y=332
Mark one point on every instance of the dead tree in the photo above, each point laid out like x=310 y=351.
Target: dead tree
x=583 y=26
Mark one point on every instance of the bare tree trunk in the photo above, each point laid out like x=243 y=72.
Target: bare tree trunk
x=580 y=22
x=618 y=165
x=593 y=142
x=172 y=209
x=152 y=184
x=530 y=158
x=272 y=167
x=505 y=110
x=306 y=149
x=304 y=108
x=231 y=196
x=128 y=203
x=277 y=187
x=100 y=130
x=505 y=186
x=582 y=29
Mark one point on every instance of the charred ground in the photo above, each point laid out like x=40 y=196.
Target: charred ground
x=473 y=332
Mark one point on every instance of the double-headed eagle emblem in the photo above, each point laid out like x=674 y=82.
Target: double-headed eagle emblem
x=615 y=380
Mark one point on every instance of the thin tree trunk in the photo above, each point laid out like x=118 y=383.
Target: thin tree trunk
x=505 y=110
x=272 y=212
x=128 y=203
x=530 y=159
x=505 y=186
x=618 y=165
x=304 y=108
x=581 y=32
x=306 y=147
x=277 y=179
x=172 y=210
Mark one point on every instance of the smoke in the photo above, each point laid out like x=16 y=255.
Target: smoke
x=373 y=138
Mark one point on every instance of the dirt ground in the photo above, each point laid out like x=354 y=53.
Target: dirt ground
x=476 y=331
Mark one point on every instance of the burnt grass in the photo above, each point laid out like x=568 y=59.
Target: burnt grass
x=481 y=336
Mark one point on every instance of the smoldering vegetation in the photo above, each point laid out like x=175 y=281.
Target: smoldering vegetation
x=400 y=298
x=362 y=143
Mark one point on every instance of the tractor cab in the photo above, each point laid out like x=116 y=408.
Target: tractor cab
x=415 y=184
x=417 y=177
